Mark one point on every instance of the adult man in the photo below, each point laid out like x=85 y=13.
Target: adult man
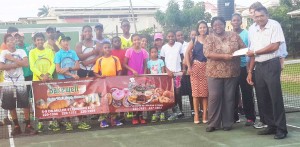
x=282 y=53
x=265 y=38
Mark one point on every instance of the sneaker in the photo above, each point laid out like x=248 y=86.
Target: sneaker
x=180 y=115
x=7 y=121
x=238 y=121
x=54 y=126
x=259 y=125
x=40 y=127
x=192 y=113
x=103 y=124
x=69 y=126
x=162 y=117
x=117 y=123
x=95 y=117
x=142 y=120
x=30 y=130
x=16 y=131
x=249 y=122
x=135 y=121
x=129 y=115
x=174 y=116
x=84 y=126
x=154 y=118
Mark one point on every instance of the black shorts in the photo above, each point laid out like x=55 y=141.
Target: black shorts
x=8 y=100
x=82 y=73
x=29 y=78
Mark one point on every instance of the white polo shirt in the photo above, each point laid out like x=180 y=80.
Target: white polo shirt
x=172 y=56
x=260 y=38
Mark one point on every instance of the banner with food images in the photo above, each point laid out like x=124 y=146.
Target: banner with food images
x=67 y=98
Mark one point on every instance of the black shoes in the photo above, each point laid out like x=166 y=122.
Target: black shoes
x=280 y=134
x=267 y=131
x=210 y=129
x=227 y=128
x=30 y=130
x=16 y=131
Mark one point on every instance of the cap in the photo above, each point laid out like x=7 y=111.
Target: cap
x=18 y=33
x=65 y=38
x=158 y=36
x=50 y=28
x=99 y=26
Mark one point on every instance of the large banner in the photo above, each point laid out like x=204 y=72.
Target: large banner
x=66 y=98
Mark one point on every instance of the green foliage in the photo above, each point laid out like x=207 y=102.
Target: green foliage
x=184 y=19
x=43 y=12
x=288 y=24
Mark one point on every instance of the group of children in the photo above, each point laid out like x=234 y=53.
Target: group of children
x=100 y=57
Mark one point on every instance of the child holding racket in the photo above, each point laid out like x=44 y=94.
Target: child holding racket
x=108 y=65
x=88 y=52
x=66 y=63
x=41 y=61
x=136 y=64
x=11 y=61
x=66 y=60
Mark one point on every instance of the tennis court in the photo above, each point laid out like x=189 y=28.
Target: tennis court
x=177 y=134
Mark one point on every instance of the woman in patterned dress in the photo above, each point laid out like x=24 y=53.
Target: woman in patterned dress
x=196 y=62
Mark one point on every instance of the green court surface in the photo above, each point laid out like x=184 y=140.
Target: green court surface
x=181 y=134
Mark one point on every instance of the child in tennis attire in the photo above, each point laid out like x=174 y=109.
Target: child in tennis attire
x=171 y=53
x=13 y=73
x=42 y=71
x=67 y=64
x=66 y=53
x=136 y=64
x=156 y=66
x=108 y=66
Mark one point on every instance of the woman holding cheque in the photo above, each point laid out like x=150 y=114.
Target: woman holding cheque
x=222 y=70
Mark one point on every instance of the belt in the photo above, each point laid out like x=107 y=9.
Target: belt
x=266 y=62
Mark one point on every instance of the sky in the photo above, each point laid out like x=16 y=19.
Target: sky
x=11 y=10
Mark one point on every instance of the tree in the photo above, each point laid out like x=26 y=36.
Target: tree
x=288 y=24
x=184 y=19
x=43 y=12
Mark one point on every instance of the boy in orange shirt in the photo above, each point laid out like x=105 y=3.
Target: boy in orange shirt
x=105 y=66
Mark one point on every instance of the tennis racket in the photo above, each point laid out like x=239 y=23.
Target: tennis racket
x=89 y=68
x=68 y=62
x=43 y=65
x=14 y=74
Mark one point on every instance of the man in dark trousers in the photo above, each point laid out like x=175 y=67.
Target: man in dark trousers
x=265 y=40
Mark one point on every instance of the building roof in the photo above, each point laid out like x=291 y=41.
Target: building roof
x=295 y=13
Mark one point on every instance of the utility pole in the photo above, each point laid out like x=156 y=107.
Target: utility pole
x=132 y=14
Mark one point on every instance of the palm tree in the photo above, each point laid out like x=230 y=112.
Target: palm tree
x=44 y=11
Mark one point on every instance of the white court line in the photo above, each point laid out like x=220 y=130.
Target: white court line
x=292 y=106
x=11 y=138
x=293 y=126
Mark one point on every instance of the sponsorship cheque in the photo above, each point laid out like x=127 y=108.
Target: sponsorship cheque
x=65 y=98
